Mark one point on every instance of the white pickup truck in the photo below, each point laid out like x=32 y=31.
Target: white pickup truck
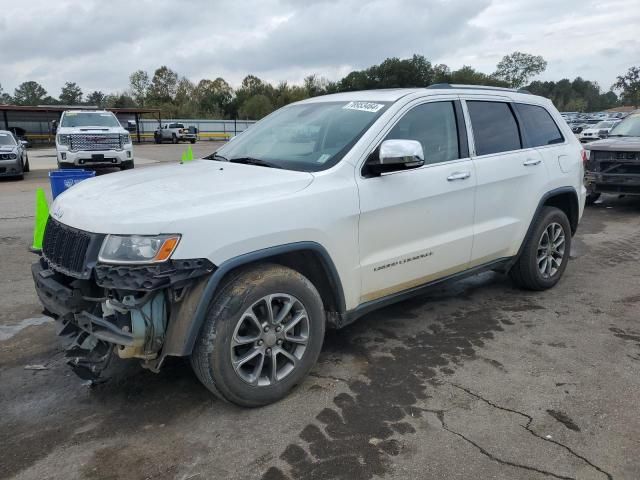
x=92 y=138
x=176 y=132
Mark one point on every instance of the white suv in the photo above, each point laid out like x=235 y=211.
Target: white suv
x=323 y=211
x=93 y=138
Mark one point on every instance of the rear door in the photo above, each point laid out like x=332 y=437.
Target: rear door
x=417 y=225
x=509 y=179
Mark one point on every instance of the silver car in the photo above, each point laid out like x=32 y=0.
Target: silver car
x=14 y=161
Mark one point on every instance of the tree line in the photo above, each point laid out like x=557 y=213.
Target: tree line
x=179 y=97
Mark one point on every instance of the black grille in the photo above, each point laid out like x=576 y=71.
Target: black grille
x=65 y=248
x=627 y=156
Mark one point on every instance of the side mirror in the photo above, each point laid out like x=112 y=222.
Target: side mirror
x=395 y=155
x=24 y=143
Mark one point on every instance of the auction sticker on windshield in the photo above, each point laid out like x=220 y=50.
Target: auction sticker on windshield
x=364 y=106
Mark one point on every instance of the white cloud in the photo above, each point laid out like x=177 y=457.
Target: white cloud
x=98 y=44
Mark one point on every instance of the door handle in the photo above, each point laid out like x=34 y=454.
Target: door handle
x=458 y=176
x=532 y=161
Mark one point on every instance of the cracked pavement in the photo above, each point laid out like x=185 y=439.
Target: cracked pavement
x=474 y=380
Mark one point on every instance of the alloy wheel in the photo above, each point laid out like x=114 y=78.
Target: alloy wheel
x=270 y=339
x=551 y=250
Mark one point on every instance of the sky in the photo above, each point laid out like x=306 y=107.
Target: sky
x=98 y=43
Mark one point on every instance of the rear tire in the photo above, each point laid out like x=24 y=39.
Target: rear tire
x=235 y=351
x=193 y=141
x=545 y=254
x=157 y=139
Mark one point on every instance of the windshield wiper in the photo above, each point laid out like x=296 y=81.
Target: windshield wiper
x=253 y=161
x=216 y=156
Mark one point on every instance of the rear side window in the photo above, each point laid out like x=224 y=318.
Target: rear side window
x=538 y=127
x=494 y=127
x=434 y=126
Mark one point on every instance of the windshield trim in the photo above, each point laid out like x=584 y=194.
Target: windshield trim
x=67 y=116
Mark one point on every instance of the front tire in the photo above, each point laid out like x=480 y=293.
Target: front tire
x=545 y=254
x=174 y=139
x=263 y=333
x=127 y=165
x=26 y=168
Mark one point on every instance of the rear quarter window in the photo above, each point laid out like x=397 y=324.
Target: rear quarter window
x=495 y=128
x=539 y=128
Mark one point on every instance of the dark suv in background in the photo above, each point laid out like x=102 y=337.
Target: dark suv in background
x=614 y=162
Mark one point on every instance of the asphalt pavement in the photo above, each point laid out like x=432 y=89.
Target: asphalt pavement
x=476 y=380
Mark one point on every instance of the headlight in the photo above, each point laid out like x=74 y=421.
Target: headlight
x=137 y=248
x=125 y=139
x=64 y=140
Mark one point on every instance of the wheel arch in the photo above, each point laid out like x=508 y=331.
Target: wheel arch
x=308 y=258
x=564 y=198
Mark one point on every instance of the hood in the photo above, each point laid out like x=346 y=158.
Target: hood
x=91 y=130
x=148 y=200
x=617 y=144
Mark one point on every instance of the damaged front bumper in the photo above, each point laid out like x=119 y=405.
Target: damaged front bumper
x=613 y=172
x=136 y=311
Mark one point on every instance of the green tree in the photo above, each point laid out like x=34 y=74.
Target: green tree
x=213 y=96
x=96 y=98
x=164 y=85
x=256 y=107
x=517 y=68
x=469 y=76
x=5 y=98
x=139 y=84
x=119 y=100
x=71 y=94
x=29 y=93
x=629 y=86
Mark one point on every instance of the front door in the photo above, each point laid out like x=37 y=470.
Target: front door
x=417 y=225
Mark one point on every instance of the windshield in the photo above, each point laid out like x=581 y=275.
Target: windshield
x=306 y=137
x=89 y=119
x=629 y=127
x=7 y=139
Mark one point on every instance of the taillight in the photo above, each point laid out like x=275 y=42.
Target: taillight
x=585 y=158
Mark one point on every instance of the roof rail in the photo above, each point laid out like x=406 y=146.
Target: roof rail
x=437 y=86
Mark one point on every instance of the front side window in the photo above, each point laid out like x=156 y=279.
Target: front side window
x=306 y=137
x=434 y=126
x=494 y=127
x=538 y=126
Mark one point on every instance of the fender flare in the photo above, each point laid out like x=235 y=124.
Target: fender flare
x=211 y=286
x=541 y=203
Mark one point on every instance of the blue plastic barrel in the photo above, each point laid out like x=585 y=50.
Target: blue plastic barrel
x=66 y=178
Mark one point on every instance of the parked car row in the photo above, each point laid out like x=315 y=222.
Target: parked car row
x=594 y=122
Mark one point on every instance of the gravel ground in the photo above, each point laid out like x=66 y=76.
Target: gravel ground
x=476 y=380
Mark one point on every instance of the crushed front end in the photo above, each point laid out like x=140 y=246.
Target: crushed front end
x=613 y=167
x=135 y=310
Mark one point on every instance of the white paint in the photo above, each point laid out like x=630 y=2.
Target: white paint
x=10 y=331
